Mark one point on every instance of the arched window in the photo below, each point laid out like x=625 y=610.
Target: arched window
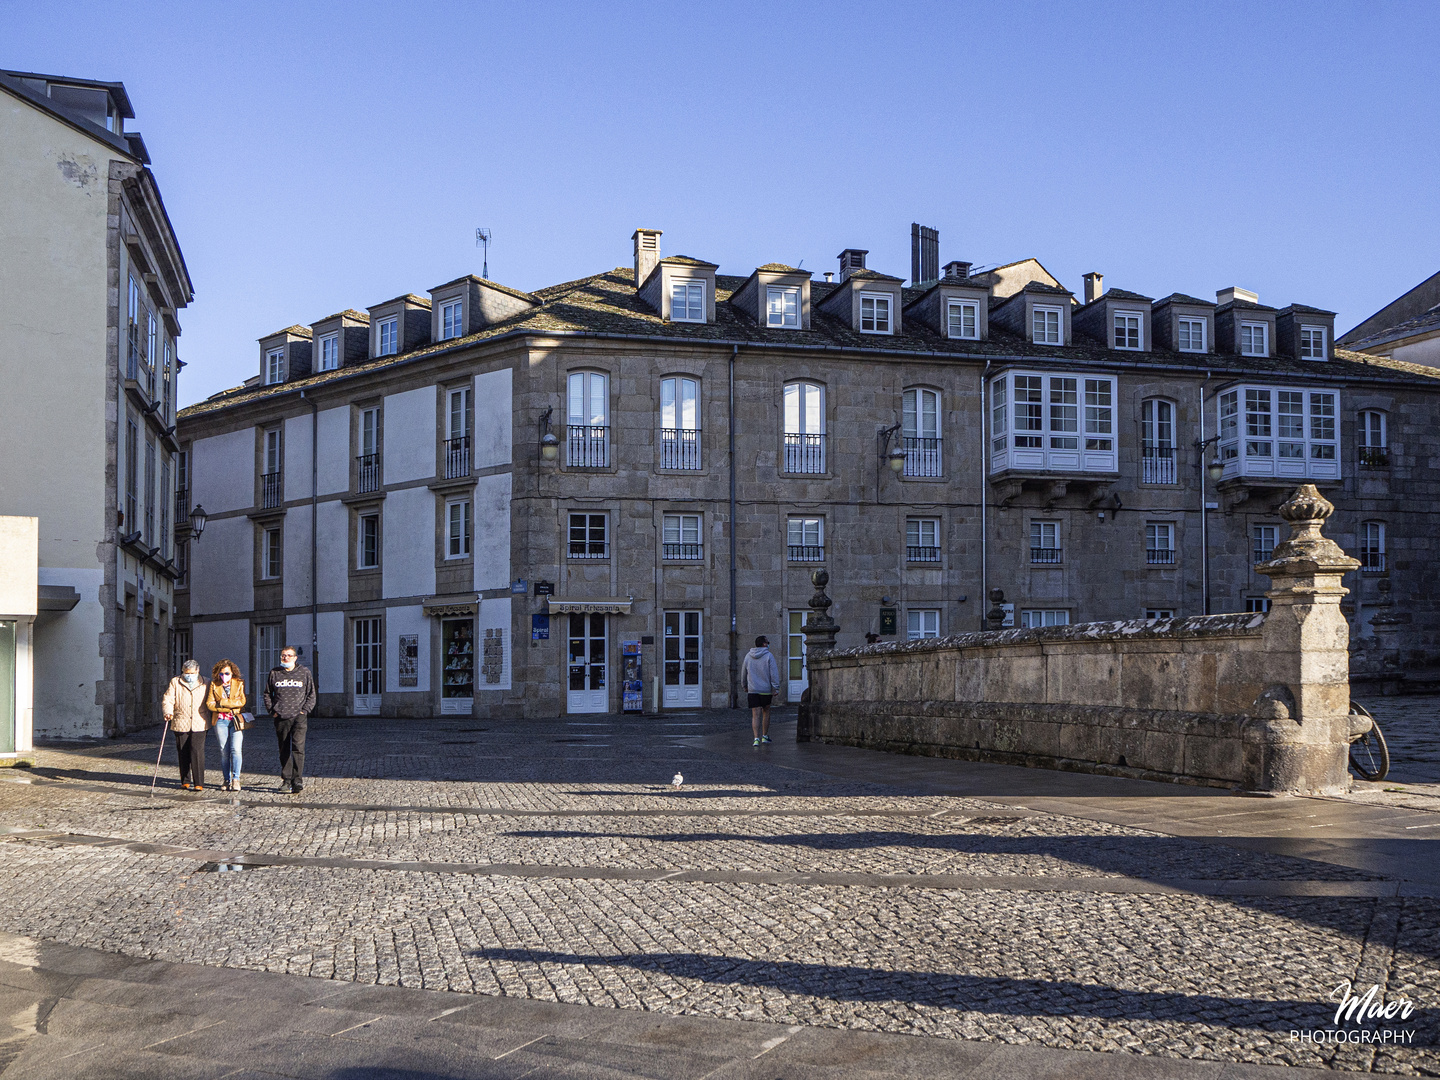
x=1374 y=450
x=679 y=423
x=1372 y=547
x=920 y=432
x=587 y=445
x=1157 y=441
x=804 y=427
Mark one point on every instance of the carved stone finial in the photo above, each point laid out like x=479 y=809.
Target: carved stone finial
x=995 y=617
x=820 y=629
x=820 y=603
x=1306 y=511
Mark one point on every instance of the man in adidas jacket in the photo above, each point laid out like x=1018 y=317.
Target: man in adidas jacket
x=289 y=697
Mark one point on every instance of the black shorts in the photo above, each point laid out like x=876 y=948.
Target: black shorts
x=760 y=701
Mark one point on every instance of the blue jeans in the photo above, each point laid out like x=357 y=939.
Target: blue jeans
x=230 y=738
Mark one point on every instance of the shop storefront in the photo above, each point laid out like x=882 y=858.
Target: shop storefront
x=19 y=604
x=588 y=626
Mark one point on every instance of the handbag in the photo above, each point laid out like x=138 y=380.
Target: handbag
x=244 y=720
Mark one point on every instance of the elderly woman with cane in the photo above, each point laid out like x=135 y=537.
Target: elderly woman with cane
x=184 y=710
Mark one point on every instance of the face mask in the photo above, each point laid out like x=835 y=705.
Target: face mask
x=288 y=665
x=191 y=680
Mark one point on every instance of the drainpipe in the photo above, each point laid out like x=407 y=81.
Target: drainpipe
x=984 y=492
x=734 y=626
x=314 y=535
x=1204 y=512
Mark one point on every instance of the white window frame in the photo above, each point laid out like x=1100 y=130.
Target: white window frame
x=457 y=420
x=1264 y=331
x=965 y=314
x=1040 y=328
x=330 y=352
x=274 y=366
x=1158 y=459
x=272 y=553
x=1368 y=436
x=1308 y=348
x=782 y=318
x=805 y=532
x=452 y=319
x=365 y=560
x=1045 y=536
x=370 y=431
x=1053 y=421
x=1139 y=328
x=1160 y=537
x=1372 y=547
x=274 y=450
x=920 y=419
x=586 y=521
x=1156 y=614
x=923 y=533
x=387 y=336
x=1188 y=326
x=686 y=290
x=922 y=623
x=683 y=530
x=1263 y=539
x=1279 y=430
x=1035 y=618
x=459 y=528
x=803 y=414
x=882 y=313
x=269 y=640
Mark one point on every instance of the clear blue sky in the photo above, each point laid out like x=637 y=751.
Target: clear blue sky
x=315 y=157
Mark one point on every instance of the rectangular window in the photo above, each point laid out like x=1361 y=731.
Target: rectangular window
x=274 y=367
x=150 y=494
x=1155 y=614
x=922 y=624
x=1290 y=423
x=1312 y=343
x=1159 y=543
x=181 y=648
x=687 y=301
x=164 y=498
x=1190 y=335
x=681 y=536
x=132 y=334
x=588 y=536
x=805 y=539
x=368 y=553
x=152 y=345
x=874 y=314
x=587 y=444
x=132 y=475
x=1099 y=415
x=452 y=320
x=387 y=337
x=457 y=529
x=1257 y=423
x=804 y=435
x=1374 y=451
x=782 y=307
x=270 y=554
x=962 y=319
x=167 y=381
x=999 y=416
x=329 y=352
x=1035 y=618
x=679 y=423
x=268 y=643
x=1372 y=547
x=1064 y=414
x=920 y=432
x=1322 y=427
x=1045 y=326
x=1254 y=604
x=1262 y=543
x=1028 y=409
x=1157 y=441
x=922 y=540
x=1253 y=340
x=1127 y=329
x=1044 y=541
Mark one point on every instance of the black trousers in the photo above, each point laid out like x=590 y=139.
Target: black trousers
x=190 y=748
x=290 y=734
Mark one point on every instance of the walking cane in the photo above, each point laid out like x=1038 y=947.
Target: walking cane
x=164 y=731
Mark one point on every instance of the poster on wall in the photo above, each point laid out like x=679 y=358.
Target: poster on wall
x=409 y=660
x=632 y=680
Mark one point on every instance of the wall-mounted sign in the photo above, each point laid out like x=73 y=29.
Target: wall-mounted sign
x=409 y=660
x=540 y=627
x=544 y=588
x=519 y=585
x=887 y=621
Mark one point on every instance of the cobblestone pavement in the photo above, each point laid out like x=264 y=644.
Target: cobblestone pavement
x=554 y=861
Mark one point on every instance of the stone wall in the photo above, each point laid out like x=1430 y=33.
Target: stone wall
x=1255 y=701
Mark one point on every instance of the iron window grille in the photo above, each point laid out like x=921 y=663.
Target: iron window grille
x=589 y=536
x=271 y=491
x=922 y=554
x=805 y=552
x=588 y=446
x=679 y=448
x=367 y=476
x=457 y=457
x=804 y=453
x=922 y=456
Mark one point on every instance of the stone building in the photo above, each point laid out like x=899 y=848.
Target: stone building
x=511 y=497
x=91 y=283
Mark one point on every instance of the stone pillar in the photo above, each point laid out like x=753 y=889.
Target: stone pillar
x=995 y=617
x=820 y=630
x=1298 y=741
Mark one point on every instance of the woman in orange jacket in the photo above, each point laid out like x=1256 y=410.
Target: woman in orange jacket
x=226 y=702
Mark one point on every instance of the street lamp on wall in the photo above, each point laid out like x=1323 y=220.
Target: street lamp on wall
x=895 y=458
x=549 y=444
x=198 y=518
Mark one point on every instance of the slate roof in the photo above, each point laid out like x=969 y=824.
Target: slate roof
x=488 y=284
x=1181 y=298
x=1117 y=294
x=780 y=268
x=1304 y=309
x=1421 y=324
x=606 y=305
x=297 y=330
x=348 y=313
x=1243 y=305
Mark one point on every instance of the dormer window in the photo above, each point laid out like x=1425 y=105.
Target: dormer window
x=452 y=319
x=782 y=306
x=329 y=352
x=1312 y=343
x=1127 y=329
x=962 y=319
x=274 y=367
x=387 y=337
x=1045 y=326
x=874 y=313
x=1190 y=335
x=687 y=301
x=1254 y=339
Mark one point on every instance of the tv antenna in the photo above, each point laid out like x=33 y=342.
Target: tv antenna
x=482 y=238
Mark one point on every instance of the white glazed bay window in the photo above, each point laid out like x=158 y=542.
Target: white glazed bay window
x=687 y=301
x=962 y=319
x=1045 y=326
x=1052 y=422
x=875 y=313
x=782 y=307
x=1279 y=431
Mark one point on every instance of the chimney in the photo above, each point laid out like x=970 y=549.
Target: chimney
x=852 y=259
x=1094 y=286
x=960 y=270
x=1234 y=292
x=924 y=254
x=829 y=275
x=647 y=253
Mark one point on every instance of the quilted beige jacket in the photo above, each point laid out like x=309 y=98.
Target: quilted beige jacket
x=184 y=706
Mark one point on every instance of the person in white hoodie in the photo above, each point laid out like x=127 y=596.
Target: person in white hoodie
x=759 y=678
